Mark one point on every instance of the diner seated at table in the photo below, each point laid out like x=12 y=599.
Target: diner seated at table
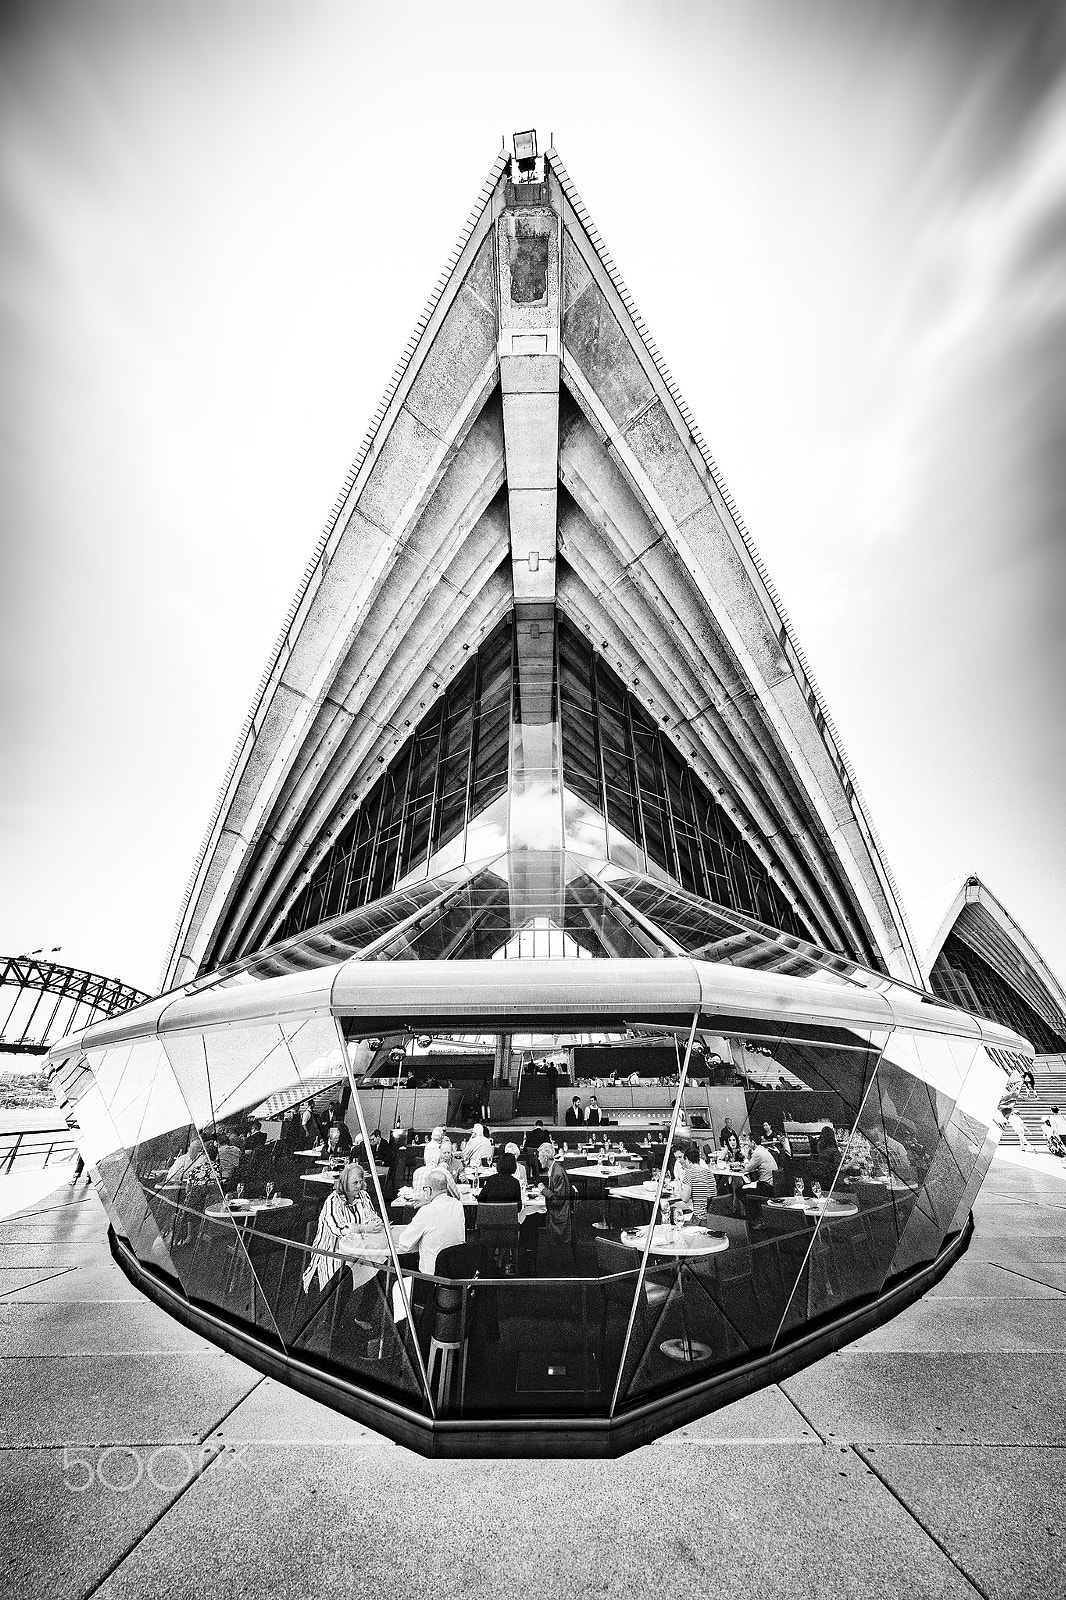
x=521 y=1168
x=338 y=1141
x=436 y=1225
x=760 y=1169
x=503 y=1187
x=229 y=1157
x=701 y=1181
x=346 y=1212
x=180 y=1168
x=417 y=1191
x=477 y=1151
x=778 y=1144
x=729 y=1145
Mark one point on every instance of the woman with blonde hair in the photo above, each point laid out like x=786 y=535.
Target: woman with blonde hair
x=346 y=1214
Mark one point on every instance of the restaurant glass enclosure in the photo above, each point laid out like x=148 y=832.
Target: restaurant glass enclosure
x=751 y=1172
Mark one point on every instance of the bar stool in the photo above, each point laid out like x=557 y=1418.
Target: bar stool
x=447 y=1341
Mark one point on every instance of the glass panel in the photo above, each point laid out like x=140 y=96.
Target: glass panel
x=758 y=1118
x=124 y=1075
x=975 y=1118
x=919 y=1082
x=236 y=1082
x=530 y=903
x=535 y=1285
x=715 y=934
x=152 y=1120
x=424 y=797
x=106 y=1157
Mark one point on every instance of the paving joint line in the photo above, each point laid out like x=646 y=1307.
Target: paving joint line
x=224 y=1418
x=818 y=1434
x=113 y=1568
x=910 y=1511
x=1014 y=1271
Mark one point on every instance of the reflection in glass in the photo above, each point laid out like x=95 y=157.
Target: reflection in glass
x=560 y=1218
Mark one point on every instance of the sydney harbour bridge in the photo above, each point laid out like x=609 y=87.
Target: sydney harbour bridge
x=41 y=1001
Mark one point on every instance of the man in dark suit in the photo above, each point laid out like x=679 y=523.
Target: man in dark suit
x=575 y=1116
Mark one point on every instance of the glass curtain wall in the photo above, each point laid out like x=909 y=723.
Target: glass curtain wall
x=578 y=763
x=658 y=812
x=689 y=1196
x=452 y=769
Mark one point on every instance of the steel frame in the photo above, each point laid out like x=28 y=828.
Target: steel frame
x=90 y=996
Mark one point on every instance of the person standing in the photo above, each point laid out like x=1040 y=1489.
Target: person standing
x=1021 y=1085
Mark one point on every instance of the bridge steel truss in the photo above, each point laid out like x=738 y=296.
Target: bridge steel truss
x=40 y=1001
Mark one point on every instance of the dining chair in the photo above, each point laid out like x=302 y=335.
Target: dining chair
x=497 y=1232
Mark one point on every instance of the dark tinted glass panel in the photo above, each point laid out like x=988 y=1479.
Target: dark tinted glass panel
x=965 y=979
x=426 y=795
x=653 y=799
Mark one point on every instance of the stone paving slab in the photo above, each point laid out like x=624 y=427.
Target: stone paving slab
x=1050 y=1274
x=998 y=1512
x=1004 y=1325
x=751 y=1492
x=767 y=1414
x=1021 y=1247
x=976 y=1280
x=100 y=1281
x=484 y=1530
x=69 y=1515
x=275 y=1414
x=12 y=1279
x=87 y=1327
x=935 y=1397
x=119 y=1398
x=43 y=1253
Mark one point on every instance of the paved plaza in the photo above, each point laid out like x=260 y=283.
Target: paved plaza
x=926 y=1459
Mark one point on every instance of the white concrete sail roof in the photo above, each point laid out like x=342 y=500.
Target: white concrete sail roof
x=600 y=470
x=985 y=924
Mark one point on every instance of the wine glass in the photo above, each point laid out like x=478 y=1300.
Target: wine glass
x=270 y=1190
x=816 y=1189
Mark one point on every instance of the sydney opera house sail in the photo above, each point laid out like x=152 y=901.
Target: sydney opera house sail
x=543 y=1056
x=982 y=961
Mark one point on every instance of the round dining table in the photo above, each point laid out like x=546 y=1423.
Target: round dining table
x=678 y=1245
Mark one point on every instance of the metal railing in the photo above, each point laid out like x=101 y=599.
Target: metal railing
x=27 y=1149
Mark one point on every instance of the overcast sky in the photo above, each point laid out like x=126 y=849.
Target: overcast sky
x=844 y=224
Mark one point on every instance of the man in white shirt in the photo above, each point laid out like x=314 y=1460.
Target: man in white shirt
x=477 y=1151
x=760 y=1169
x=441 y=1222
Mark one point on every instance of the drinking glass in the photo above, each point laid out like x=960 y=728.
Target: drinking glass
x=270 y=1191
x=816 y=1189
x=797 y=1188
